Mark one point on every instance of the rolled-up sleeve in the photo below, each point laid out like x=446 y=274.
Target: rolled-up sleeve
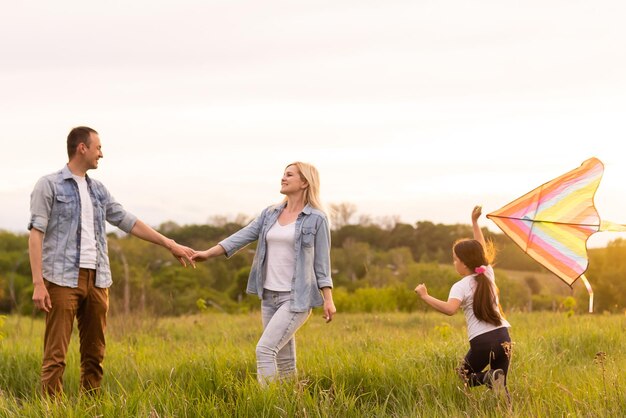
x=116 y=214
x=321 y=261
x=41 y=205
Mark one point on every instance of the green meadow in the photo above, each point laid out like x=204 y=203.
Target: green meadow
x=360 y=365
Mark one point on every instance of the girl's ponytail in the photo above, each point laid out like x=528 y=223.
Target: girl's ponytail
x=485 y=306
x=485 y=301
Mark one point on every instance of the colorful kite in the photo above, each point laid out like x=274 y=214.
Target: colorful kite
x=553 y=222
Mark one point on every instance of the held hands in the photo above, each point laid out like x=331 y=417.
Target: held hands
x=214 y=251
x=201 y=255
x=41 y=297
x=183 y=253
x=476 y=212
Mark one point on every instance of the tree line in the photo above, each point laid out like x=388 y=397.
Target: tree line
x=376 y=266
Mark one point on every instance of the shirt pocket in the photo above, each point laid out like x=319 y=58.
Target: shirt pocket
x=308 y=237
x=64 y=206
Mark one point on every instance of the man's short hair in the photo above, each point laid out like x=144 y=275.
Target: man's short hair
x=78 y=135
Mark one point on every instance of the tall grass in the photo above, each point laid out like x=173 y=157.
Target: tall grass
x=362 y=365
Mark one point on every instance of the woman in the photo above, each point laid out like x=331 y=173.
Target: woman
x=291 y=268
x=477 y=294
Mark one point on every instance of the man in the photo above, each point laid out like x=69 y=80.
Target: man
x=69 y=259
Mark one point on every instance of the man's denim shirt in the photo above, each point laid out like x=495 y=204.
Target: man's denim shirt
x=312 y=248
x=56 y=211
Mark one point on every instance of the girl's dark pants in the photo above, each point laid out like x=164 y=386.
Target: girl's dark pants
x=491 y=349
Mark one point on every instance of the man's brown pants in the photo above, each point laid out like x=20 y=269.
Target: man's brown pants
x=89 y=304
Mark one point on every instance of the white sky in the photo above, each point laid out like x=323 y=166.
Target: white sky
x=416 y=109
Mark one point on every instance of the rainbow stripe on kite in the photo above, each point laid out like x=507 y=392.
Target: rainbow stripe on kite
x=553 y=222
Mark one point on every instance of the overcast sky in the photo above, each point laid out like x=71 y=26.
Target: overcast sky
x=416 y=109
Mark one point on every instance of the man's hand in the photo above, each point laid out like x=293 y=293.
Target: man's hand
x=41 y=297
x=183 y=253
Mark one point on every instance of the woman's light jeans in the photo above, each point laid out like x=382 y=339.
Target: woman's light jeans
x=276 y=350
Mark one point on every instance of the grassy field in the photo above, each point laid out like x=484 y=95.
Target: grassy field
x=361 y=365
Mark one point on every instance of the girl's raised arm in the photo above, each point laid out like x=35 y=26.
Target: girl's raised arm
x=478 y=233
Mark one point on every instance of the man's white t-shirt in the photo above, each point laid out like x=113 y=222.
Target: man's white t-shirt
x=463 y=290
x=88 y=250
x=281 y=257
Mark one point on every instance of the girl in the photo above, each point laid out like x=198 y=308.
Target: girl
x=291 y=268
x=476 y=293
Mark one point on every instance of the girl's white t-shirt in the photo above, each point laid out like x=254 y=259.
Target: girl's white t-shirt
x=463 y=290
x=281 y=257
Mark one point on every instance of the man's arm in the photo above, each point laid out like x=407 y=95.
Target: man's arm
x=182 y=253
x=41 y=298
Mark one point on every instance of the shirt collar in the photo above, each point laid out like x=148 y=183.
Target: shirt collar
x=67 y=174
x=307 y=209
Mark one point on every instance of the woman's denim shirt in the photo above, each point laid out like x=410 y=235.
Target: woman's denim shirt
x=56 y=211
x=312 y=248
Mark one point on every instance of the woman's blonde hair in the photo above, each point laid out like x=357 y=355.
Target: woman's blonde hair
x=310 y=175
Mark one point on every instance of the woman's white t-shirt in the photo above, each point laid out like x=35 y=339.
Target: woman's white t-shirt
x=463 y=290
x=281 y=257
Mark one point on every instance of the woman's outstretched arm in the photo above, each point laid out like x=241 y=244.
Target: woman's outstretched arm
x=214 y=251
